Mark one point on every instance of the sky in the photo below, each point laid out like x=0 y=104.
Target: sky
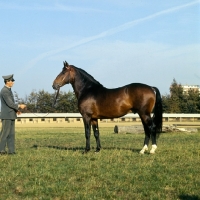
x=117 y=42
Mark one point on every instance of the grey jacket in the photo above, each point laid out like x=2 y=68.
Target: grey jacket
x=8 y=106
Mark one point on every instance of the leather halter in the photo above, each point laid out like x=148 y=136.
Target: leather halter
x=65 y=78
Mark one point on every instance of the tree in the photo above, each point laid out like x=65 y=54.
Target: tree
x=180 y=102
x=31 y=102
x=67 y=102
x=193 y=101
x=44 y=102
x=176 y=100
x=166 y=103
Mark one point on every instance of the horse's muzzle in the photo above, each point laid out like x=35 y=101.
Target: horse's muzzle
x=56 y=86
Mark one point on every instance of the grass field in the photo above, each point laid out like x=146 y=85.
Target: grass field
x=49 y=164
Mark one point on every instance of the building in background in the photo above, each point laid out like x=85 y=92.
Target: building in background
x=186 y=88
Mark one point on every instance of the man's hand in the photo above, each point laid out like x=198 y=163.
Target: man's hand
x=18 y=113
x=22 y=106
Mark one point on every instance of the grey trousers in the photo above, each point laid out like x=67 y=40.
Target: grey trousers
x=7 y=136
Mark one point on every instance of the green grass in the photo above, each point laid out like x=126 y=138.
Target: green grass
x=49 y=164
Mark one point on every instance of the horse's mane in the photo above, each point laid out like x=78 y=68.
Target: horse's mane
x=87 y=76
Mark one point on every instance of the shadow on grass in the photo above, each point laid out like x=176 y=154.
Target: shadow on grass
x=189 y=197
x=83 y=148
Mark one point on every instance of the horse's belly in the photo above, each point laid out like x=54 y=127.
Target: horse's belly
x=112 y=112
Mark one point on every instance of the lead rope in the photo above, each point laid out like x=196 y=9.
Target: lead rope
x=57 y=93
x=56 y=96
x=53 y=104
x=35 y=114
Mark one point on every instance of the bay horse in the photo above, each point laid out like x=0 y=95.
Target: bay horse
x=97 y=102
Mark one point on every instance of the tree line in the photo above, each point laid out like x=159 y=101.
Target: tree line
x=41 y=102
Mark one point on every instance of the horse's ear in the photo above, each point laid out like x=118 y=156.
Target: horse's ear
x=65 y=64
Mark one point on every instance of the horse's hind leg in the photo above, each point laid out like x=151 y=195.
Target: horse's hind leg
x=149 y=128
x=96 y=133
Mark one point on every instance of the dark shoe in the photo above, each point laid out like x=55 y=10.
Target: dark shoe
x=3 y=153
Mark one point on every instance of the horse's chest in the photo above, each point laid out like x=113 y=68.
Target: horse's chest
x=88 y=105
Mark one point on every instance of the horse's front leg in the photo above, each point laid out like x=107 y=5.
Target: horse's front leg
x=87 y=125
x=96 y=134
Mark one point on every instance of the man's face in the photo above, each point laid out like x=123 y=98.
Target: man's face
x=10 y=83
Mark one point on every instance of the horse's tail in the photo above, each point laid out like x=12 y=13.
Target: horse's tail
x=158 y=112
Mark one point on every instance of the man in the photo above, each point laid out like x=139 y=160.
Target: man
x=9 y=111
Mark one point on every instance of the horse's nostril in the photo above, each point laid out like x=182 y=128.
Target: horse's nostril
x=54 y=86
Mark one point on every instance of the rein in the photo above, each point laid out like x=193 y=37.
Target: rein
x=35 y=114
x=53 y=104
x=40 y=116
x=56 y=96
x=60 y=85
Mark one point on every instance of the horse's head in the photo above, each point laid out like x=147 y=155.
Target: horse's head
x=66 y=76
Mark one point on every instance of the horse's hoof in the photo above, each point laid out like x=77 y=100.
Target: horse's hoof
x=85 y=152
x=97 y=151
x=145 y=148
x=154 y=147
x=141 y=152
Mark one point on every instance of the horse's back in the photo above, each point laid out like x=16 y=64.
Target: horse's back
x=133 y=91
x=140 y=90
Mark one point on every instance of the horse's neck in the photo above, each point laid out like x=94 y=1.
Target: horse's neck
x=81 y=87
x=78 y=86
x=76 y=90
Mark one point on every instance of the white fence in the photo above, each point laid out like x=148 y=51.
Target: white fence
x=76 y=117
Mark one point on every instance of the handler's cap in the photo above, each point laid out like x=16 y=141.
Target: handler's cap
x=9 y=77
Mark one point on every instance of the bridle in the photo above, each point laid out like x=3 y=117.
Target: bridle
x=60 y=84
x=69 y=78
